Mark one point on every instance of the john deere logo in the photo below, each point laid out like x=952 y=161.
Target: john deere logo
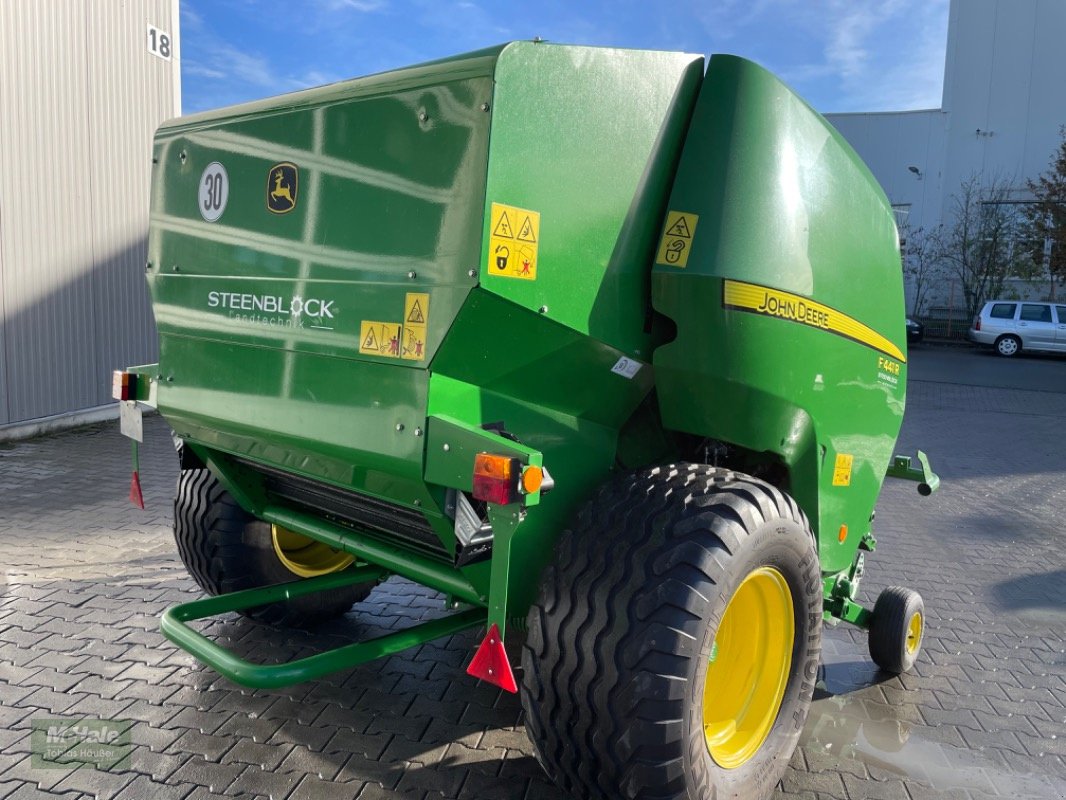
x=282 y=184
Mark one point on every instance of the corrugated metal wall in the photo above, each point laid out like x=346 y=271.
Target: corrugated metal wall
x=80 y=97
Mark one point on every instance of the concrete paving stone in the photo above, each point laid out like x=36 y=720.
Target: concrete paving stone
x=99 y=664
x=402 y=749
x=266 y=756
x=258 y=730
x=303 y=712
x=796 y=781
x=97 y=783
x=93 y=707
x=200 y=793
x=199 y=772
x=369 y=745
x=150 y=713
x=301 y=759
x=142 y=673
x=373 y=791
x=311 y=788
x=485 y=760
x=143 y=788
x=202 y=721
x=208 y=746
x=344 y=718
x=875 y=790
x=313 y=738
x=106 y=688
x=412 y=725
x=521 y=767
x=155 y=739
x=438 y=778
x=479 y=784
x=265 y=783
x=150 y=693
x=159 y=765
x=505 y=738
x=245 y=703
x=28 y=791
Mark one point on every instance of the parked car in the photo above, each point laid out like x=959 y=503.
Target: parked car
x=915 y=331
x=1011 y=326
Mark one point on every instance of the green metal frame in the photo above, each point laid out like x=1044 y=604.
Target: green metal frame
x=271 y=676
x=928 y=481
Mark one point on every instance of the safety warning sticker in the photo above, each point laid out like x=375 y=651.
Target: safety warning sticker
x=405 y=339
x=842 y=470
x=415 y=319
x=677 y=239
x=380 y=338
x=514 y=234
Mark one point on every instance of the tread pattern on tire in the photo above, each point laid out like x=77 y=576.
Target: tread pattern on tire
x=597 y=702
x=211 y=531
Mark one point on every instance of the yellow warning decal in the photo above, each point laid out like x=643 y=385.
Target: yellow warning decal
x=842 y=469
x=785 y=305
x=514 y=234
x=380 y=338
x=406 y=339
x=415 y=320
x=677 y=239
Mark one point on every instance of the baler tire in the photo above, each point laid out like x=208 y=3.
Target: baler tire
x=615 y=662
x=897 y=628
x=226 y=549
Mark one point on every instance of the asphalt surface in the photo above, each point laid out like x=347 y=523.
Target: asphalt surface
x=1044 y=372
x=983 y=714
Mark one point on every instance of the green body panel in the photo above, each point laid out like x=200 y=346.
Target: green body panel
x=589 y=138
x=606 y=361
x=783 y=202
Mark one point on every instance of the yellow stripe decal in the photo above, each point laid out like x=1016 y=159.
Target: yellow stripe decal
x=793 y=307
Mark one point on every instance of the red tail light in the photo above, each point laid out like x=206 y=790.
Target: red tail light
x=977 y=324
x=123 y=385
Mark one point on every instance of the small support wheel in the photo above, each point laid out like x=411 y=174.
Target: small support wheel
x=896 y=629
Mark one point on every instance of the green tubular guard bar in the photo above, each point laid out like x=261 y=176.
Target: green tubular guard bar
x=272 y=676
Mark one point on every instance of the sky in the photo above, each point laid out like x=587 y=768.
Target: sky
x=840 y=55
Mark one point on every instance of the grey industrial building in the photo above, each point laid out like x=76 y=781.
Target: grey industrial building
x=83 y=85
x=1003 y=106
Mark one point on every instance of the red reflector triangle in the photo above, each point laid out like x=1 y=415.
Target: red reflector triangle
x=490 y=662
x=135 y=491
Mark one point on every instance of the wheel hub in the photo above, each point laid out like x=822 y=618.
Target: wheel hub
x=914 y=633
x=749 y=667
x=307 y=557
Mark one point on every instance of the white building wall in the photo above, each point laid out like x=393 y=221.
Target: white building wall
x=1004 y=103
x=80 y=97
x=892 y=143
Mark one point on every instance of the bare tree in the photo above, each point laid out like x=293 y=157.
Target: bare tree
x=978 y=241
x=1047 y=216
x=922 y=268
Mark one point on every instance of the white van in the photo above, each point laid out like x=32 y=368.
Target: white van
x=1013 y=325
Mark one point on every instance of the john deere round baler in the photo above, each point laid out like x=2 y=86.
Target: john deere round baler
x=606 y=348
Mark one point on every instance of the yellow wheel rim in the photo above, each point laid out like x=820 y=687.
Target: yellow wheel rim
x=750 y=663
x=306 y=557
x=914 y=633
